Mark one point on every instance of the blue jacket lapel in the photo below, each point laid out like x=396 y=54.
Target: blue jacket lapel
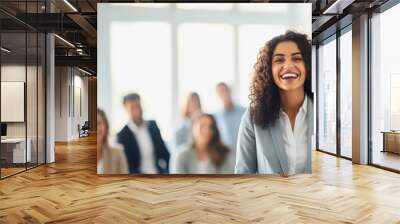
x=276 y=134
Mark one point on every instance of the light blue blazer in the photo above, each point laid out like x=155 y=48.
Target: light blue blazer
x=261 y=150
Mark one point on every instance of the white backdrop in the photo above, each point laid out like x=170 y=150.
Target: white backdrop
x=164 y=51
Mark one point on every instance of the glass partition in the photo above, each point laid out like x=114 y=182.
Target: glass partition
x=327 y=96
x=22 y=63
x=13 y=108
x=346 y=94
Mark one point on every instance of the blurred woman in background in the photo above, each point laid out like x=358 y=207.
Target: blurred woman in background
x=207 y=154
x=110 y=160
x=191 y=109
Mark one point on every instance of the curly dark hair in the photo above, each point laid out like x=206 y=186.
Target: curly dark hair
x=264 y=93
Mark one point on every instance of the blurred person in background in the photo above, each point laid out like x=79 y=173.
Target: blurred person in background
x=275 y=132
x=191 y=110
x=229 y=117
x=207 y=154
x=110 y=160
x=144 y=147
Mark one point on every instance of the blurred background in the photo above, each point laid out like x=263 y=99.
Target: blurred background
x=165 y=51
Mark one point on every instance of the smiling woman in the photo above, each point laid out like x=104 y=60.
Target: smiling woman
x=166 y=53
x=275 y=133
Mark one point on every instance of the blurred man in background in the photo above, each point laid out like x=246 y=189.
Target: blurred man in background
x=144 y=147
x=191 y=110
x=229 y=117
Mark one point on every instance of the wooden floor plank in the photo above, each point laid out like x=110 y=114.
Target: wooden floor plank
x=70 y=191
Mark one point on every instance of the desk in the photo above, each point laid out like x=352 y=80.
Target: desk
x=391 y=141
x=13 y=150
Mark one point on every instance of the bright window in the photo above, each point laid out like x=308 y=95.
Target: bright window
x=205 y=6
x=394 y=101
x=385 y=86
x=346 y=94
x=260 y=7
x=252 y=38
x=205 y=57
x=132 y=70
x=327 y=97
x=144 y=5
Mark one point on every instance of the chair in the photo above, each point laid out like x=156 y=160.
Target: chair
x=84 y=130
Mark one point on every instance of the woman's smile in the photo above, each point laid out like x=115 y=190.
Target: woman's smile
x=289 y=76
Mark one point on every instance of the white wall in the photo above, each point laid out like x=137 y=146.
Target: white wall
x=16 y=73
x=12 y=73
x=61 y=111
x=33 y=126
x=71 y=93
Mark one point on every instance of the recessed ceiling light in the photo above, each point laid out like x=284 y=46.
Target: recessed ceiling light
x=5 y=50
x=337 y=7
x=64 y=40
x=70 y=5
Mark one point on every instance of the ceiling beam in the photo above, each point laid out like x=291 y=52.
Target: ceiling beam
x=82 y=61
x=84 y=24
x=337 y=7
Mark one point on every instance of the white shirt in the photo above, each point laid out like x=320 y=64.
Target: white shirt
x=295 y=141
x=203 y=166
x=146 y=147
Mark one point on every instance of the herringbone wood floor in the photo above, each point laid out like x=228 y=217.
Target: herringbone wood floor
x=69 y=191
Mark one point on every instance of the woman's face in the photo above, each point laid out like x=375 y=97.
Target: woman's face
x=203 y=130
x=288 y=68
x=101 y=128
